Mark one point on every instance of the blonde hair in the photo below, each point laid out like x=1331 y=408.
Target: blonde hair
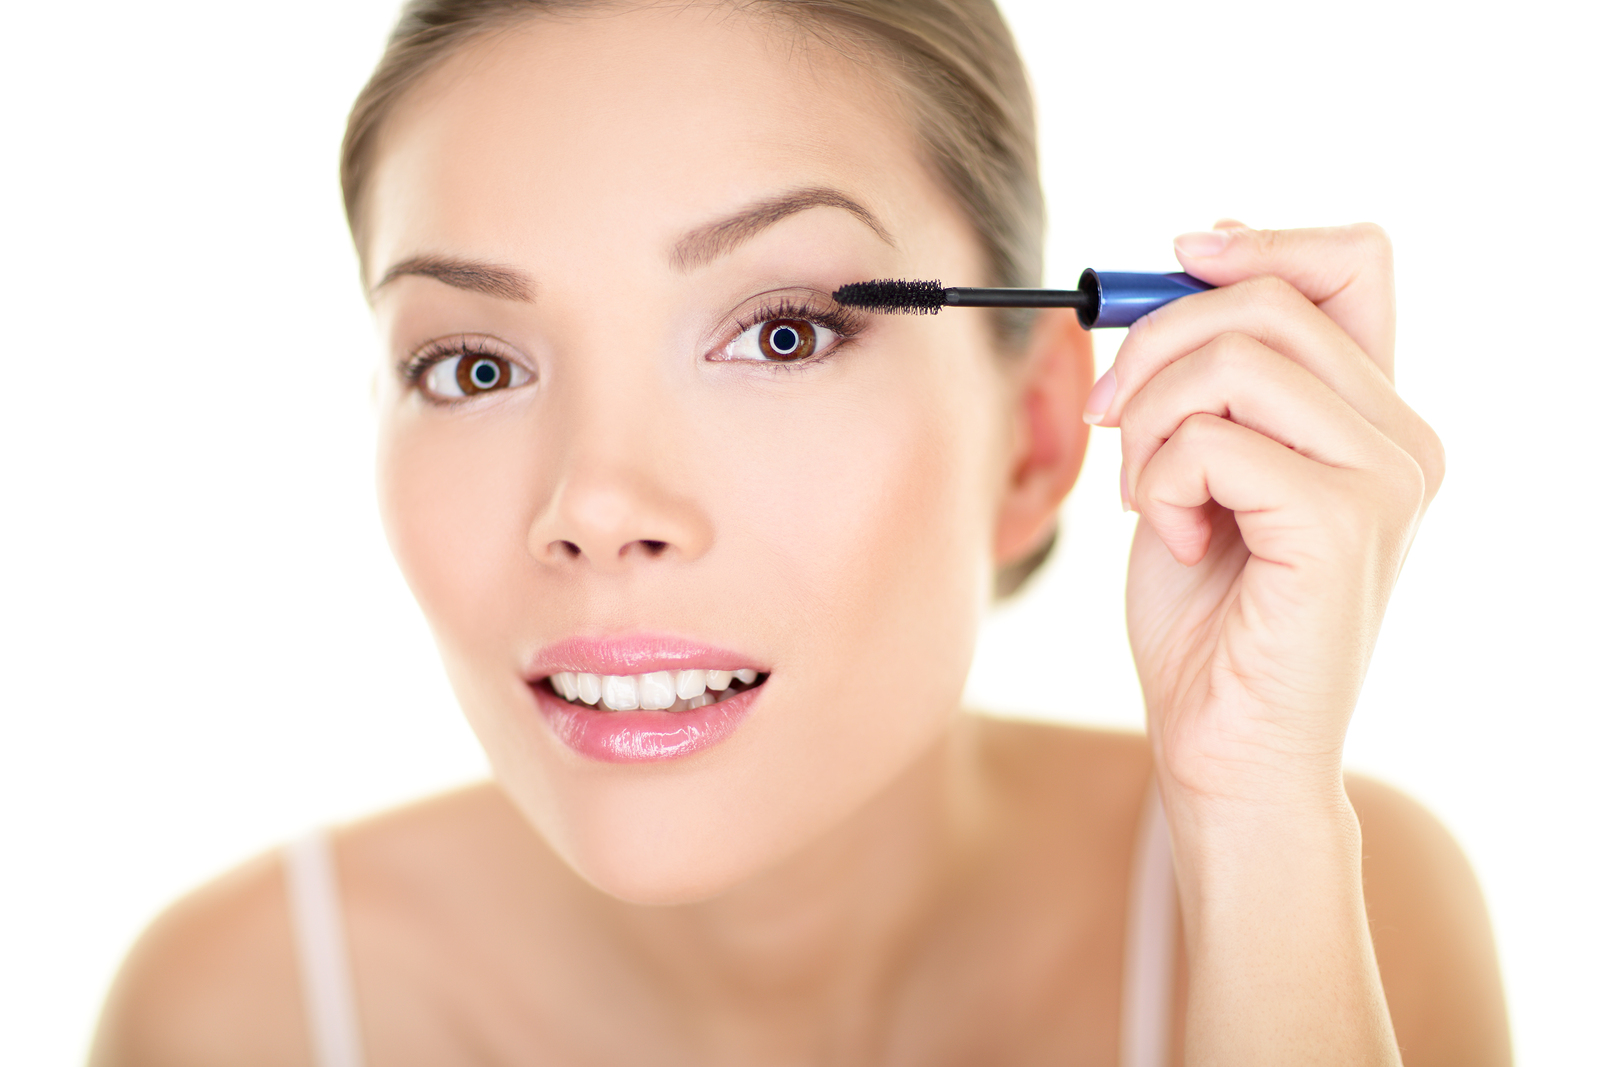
x=954 y=60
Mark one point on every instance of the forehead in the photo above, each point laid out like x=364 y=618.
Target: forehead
x=630 y=126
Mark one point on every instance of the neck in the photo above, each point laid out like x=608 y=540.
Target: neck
x=826 y=934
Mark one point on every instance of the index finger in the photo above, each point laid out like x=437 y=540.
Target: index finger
x=1347 y=271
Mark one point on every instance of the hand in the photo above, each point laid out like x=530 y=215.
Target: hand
x=1279 y=480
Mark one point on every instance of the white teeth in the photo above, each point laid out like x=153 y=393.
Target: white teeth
x=620 y=692
x=589 y=688
x=657 y=691
x=691 y=684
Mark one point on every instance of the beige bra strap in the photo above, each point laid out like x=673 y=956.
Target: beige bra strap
x=1152 y=927
x=315 y=913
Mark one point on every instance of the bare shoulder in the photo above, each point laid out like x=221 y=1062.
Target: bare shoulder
x=215 y=979
x=1431 y=932
x=212 y=980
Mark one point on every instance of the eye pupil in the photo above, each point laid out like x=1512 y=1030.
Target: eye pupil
x=480 y=375
x=788 y=339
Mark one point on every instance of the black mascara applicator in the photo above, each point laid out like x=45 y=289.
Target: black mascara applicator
x=1102 y=299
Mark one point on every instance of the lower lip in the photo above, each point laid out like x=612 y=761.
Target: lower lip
x=642 y=736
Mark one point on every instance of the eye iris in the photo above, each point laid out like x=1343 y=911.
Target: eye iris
x=479 y=375
x=788 y=339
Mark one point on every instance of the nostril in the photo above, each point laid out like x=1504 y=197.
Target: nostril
x=572 y=550
x=655 y=548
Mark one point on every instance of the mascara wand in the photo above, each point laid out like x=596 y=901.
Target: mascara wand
x=1102 y=299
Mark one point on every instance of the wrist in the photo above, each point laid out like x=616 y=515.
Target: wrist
x=1295 y=841
x=1250 y=778
x=1309 y=796
x=1276 y=926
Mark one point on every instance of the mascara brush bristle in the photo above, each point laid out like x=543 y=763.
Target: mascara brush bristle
x=893 y=297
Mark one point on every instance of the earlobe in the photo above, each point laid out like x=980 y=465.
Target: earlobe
x=1051 y=434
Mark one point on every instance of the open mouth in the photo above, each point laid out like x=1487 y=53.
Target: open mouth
x=656 y=691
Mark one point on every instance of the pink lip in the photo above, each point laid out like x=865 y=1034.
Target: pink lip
x=635 y=654
x=637 y=736
x=641 y=736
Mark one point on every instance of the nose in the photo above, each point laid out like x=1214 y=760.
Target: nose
x=612 y=512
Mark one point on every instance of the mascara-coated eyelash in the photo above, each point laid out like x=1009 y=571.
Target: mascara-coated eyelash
x=454 y=369
x=788 y=333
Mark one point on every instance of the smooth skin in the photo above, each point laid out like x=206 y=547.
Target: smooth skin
x=862 y=873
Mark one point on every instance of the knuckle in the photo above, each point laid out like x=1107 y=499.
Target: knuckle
x=1231 y=352
x=1373 y=240
x=1430 y=457
x=1399 y=490
x=1272 y=292
x=1195 y=430
x=1410 y=486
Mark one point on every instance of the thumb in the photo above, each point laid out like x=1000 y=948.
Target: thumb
x=1347 y=271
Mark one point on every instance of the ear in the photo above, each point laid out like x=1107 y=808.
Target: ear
x=1050 y=434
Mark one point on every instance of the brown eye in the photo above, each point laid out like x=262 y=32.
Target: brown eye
x=443 y=373
x=780 y=340
x=786 y=340
x=481 y=374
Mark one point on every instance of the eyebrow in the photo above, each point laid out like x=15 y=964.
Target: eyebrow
x=716 y=239
x=471 y=275
x=694 y=249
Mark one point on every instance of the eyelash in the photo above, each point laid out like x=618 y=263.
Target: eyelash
x=843 y=322
x=433 y=353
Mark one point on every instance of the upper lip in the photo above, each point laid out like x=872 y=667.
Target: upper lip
x=634 y=654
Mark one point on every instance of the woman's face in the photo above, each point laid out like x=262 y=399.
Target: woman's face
x=605 y=465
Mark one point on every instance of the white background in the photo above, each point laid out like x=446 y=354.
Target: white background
x=206 y=648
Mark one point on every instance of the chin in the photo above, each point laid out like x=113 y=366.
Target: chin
x=687 y=830
x=662 y=878
x=658 y=841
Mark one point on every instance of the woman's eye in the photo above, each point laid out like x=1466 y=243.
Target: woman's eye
x=471 y=374
x=781 y=341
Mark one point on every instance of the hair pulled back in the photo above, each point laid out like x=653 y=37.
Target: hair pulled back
x=954 y=60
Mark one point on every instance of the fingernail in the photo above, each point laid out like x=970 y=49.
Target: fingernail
x=1100 y=397
x=1203 y=242
x=1127 y=502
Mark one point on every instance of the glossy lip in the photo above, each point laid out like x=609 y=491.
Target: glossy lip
x=638 y=736
x=641 y=736
x=634 y=654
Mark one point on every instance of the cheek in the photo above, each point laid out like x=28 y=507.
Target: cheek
x=873 y=518
x=866 y=507
x=453 y=522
